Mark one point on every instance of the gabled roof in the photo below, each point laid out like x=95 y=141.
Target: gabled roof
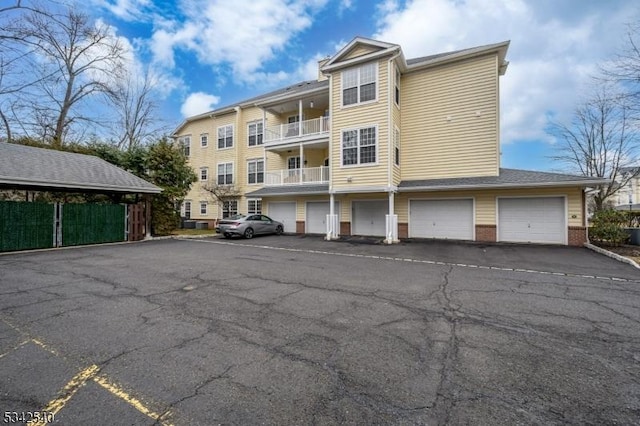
x=26 y=167
x=508 y=178
x=456 y=55
x=379 y=48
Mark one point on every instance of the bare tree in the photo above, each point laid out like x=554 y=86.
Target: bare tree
x=600 y=141
x=134 y=104
x=79 y=59
x=222 y=193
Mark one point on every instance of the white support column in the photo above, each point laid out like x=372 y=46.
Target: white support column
x=392 y=221
x=332 y=220
x=301 y=163
x=300 y=117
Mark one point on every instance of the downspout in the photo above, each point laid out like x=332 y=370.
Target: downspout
x=236 y=147
x=390 y=132
x=332 y=211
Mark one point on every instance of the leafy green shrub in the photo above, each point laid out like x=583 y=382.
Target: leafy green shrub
x=608 y=227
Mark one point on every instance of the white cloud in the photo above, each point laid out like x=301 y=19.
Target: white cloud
x=125 y=9
x=554 y=51
x=243 y=36
x=198 y=103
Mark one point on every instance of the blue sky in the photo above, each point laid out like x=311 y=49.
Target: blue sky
x=210 y=53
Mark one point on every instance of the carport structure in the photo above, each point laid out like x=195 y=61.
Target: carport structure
x=25 y=225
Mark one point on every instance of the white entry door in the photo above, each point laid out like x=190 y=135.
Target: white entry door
x=451 y=219
x=317 y=212
x=532 y=220
x=284 y=212
x=369 y=217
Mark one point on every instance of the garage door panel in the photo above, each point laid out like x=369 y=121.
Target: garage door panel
x=284 y=212
x=369 y=217
x=316 y=219
x=534 y=220
x=449 y=219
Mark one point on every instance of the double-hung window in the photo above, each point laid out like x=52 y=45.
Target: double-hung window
x=359 y=146
x=204 y=173
x=255 y=132
x=187 y=209
x=204 y=140
x=185 y=144
x=254 y=206
x=203 y=208
x=255 y=170
x=225 y=173
x=229 y=208
x=225 y=136
x=397 y=86
x=359 y=84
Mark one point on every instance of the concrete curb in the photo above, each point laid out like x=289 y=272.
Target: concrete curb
x=612 y=255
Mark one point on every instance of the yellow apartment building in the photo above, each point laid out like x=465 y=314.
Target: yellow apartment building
x=381 y=145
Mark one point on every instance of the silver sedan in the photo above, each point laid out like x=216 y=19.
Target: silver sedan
x=248 y=226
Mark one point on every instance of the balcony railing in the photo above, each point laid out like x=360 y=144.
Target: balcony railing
x=305 y=176
x=286 y=132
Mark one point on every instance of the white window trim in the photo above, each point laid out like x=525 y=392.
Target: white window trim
x=255 y=123
x=299 y=162
x=374 y=100
x=205 y=205
x=184 y=208
x=255 y=200
x=233 y=172
x=181 y=141
x=396 y=142
x=206 y=170
x=377 y=145
x=205 y=135
x=256 y=160
x=233 y=136
x=235 y=211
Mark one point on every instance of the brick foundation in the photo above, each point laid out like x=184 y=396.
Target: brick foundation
x=345 y=228
x=577 y=235
x=403 y=230
x=486 y=233
x=300 y=227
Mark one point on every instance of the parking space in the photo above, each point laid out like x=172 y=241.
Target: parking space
x=295 y=330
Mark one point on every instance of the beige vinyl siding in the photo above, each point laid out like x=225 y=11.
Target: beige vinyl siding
x=486 y=202
x=450 y=120
x=355 y=117
x=360 y=51
x=395 y=122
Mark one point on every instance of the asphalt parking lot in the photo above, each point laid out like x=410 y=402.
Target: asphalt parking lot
x=294 y=330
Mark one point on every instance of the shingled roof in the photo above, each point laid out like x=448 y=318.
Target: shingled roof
x=26 y=167
x=513 y=178
x=290 y=190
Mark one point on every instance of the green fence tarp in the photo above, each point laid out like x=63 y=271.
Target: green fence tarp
x=92 y=223
x=25 y=226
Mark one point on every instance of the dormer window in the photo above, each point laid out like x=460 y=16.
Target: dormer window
x=359 y=84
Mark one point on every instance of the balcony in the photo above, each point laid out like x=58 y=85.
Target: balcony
x=305 y=176
x=295 y=132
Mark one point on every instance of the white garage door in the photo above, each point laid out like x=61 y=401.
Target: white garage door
x=285 y=213
x=317 y=212
x=532 y=220
x=369 y=217
x=441 y=219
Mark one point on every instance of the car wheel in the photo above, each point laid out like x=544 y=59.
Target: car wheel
x=248 y=233
x=227 y=236
x=279 y=230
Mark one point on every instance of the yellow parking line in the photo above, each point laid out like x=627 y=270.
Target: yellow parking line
x=134 y=402
x=46 y=347
x=67 y=392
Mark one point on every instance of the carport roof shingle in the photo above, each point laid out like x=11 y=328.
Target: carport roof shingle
x=508 y=178
x=26 y=167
